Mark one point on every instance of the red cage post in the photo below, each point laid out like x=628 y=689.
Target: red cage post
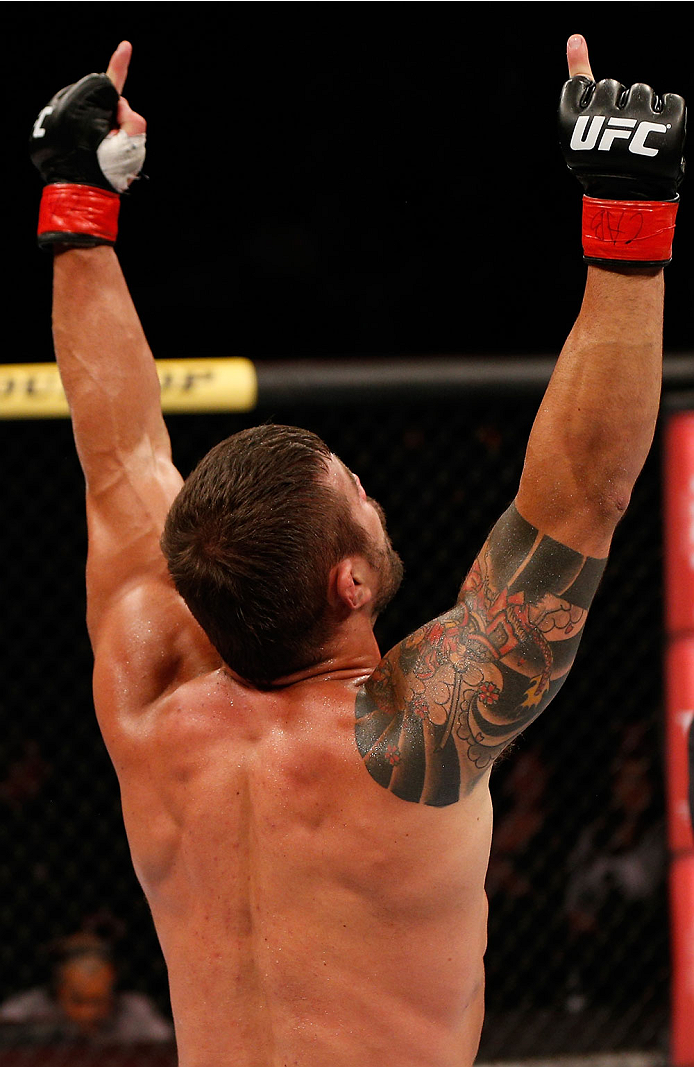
x=679 y=685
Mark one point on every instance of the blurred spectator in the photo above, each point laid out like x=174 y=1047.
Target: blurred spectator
x=520 y=886
x=82 y=1004
x=517 y=829
x=615 y=871
x=25 y=776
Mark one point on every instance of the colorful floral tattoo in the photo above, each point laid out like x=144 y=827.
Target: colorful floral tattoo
x=444 y=703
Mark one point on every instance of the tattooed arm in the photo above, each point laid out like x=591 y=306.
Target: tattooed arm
x=443 y=704
x=446 y=701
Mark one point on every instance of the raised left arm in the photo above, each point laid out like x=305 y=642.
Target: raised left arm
x=88 y=145
x=113 y=391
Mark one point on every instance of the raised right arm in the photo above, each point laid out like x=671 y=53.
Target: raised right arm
x=445 y=702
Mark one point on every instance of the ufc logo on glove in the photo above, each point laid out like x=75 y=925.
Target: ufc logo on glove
x=587 y=130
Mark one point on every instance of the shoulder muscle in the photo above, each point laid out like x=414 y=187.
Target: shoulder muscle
x=148 y=643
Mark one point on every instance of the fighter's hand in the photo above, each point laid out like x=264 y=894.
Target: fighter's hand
x=625 y=147
x=128 y=120
x=88 y=146
x=577 y=56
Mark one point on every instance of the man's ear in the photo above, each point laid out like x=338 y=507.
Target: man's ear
x=350 y=585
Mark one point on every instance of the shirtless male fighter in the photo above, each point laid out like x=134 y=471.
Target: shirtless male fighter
x=311 y=822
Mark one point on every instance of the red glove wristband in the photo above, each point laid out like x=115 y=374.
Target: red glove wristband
x=80 y=215
x=629 y=231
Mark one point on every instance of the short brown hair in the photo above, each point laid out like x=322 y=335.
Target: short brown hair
x=250 y=541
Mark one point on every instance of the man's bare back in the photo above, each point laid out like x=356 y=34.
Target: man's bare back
x=314 y=855
x=307 y=916
x=314 y=848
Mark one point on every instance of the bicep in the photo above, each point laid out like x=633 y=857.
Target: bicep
x=445 y=702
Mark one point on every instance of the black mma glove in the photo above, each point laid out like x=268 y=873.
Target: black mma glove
x=625 y=147
x=85 y=162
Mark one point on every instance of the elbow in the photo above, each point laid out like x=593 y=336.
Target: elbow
x=610 y=493
x=620 y=502
x=603 y=476
x=597 y=512
x=603 y=503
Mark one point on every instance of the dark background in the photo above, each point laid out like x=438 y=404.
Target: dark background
x=327 y=181
x=330 y=179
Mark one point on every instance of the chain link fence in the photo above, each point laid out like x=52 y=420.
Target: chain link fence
x=578 y=940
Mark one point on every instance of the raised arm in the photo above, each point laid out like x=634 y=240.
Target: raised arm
x=113 y=391
x=443 y=704
x=596 y=422
x=105 y=362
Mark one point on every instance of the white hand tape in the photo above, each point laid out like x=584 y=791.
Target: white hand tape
x=121 y=157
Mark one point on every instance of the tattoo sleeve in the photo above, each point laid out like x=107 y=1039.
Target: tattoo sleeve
x=443 y=704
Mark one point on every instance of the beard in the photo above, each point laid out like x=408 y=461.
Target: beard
x=388 y=565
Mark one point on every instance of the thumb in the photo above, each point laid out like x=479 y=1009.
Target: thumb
x=577 y=56
x=128 y=120
x=118 y=65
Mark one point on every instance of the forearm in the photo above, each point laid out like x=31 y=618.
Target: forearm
x=596 y=422
x=105 y=362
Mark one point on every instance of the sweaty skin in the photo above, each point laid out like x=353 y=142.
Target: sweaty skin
x=307 y=916
x=315 y=856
